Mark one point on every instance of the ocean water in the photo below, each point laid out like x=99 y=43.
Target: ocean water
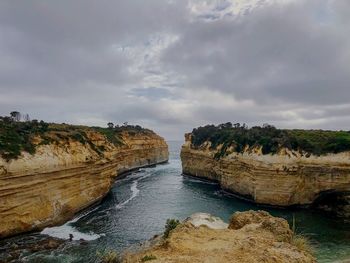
x=138 y=205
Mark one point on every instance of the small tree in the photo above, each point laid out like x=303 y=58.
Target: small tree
x=237 y=125
x=110 y=125
x=15 y=115
x=26 y=117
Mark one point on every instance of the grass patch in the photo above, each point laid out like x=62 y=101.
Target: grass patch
x=111 y=134
x=302 y=243
x=148 y=258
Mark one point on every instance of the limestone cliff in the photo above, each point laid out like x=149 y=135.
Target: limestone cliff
x=283 y=179
x=62 y=178
x=250 y=237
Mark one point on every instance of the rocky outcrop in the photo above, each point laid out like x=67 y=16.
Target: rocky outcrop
x=283 y=179
x=63 y=178
x=250 y=237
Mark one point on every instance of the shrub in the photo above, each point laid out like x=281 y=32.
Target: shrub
x=148 y=258
x=17 y=136
x=170 y=225
x=270 y=139
x=302 y=243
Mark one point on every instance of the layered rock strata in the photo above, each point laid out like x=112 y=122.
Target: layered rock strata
x=61 y=179
x=283 y=179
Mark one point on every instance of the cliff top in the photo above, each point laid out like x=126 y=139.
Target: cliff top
x=270 y=139
x=17 y=136
x=252 y=236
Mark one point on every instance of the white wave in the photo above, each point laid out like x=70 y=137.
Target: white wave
x=199 y=181
x=64 y=230
x=134 y=191
x=75 y=219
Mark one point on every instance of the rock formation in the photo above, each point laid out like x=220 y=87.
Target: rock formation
x=61 y=179
x=250 y=237
x=283 y=179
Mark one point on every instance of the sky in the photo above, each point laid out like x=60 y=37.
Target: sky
x=172 y=65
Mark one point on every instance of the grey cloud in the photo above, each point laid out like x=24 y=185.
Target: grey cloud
x=91 y=62
x=151 y=92
x=64 y=44
x=282 y=52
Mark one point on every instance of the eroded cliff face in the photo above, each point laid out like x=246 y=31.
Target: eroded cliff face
x=252 y=236
x=283 y=179
x=61 y=179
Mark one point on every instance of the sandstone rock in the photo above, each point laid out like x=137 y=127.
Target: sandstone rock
x=240 y=219
x=284 y=179
x=279 y=227
x=204 y=219
x=255 y=240
x=60 y=180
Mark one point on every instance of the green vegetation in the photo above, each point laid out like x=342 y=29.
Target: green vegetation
x=148 y=258
x=107 y=256
x=17 y=136
x=271 y=139
x=301 y=241
x=170 y=225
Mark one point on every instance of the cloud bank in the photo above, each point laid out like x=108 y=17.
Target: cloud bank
x=174 y=65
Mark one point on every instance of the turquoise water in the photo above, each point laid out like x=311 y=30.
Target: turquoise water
x=137 y=207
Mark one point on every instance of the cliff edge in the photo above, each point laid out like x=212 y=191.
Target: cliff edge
x=285 y=178
x=252 y=236
x=72 y=168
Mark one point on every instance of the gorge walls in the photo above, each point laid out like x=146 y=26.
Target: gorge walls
x=61 y=179
x=284 y=179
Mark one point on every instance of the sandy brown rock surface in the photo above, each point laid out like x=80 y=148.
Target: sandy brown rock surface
x=283 y=179
x=251 y=237
x=61 y=179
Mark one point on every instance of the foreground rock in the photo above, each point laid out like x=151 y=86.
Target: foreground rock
x=283 y=179
x=250 y=237
x=66 y=176
x=12 y=251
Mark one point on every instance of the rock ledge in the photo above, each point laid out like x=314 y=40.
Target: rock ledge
x=252 y=236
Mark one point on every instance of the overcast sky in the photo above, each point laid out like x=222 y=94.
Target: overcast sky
x=171 y=65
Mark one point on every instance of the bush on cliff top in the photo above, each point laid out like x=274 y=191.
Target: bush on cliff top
x=170 y=225
x=271 y=139
x=17 y=136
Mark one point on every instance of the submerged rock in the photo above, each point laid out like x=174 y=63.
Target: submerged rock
x=250 y=237
x=16 y=249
